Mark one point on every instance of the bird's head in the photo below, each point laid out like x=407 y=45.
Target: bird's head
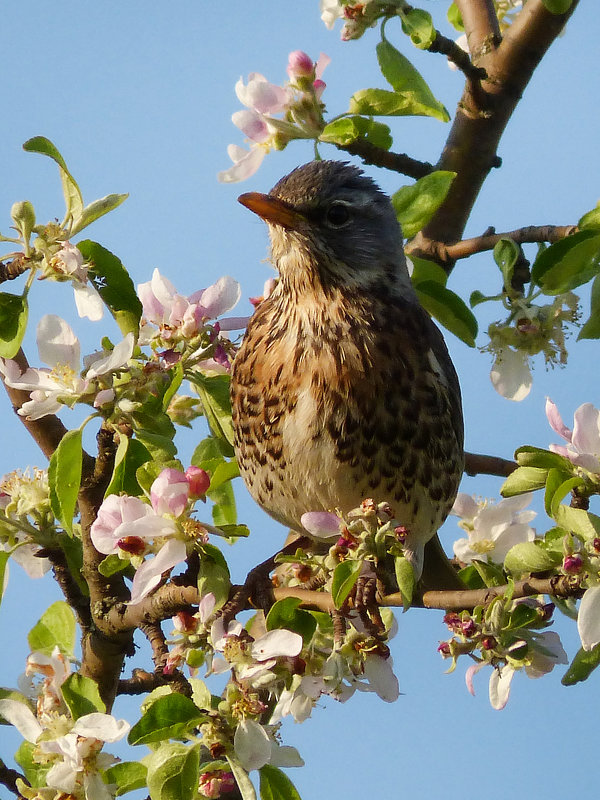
x=329 y=220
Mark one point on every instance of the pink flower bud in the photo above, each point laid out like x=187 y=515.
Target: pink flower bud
x=169 y=492
x=198 y=481
x=300 y=65
x=573 y=564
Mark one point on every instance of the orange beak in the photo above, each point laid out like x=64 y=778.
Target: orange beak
x=271 y=209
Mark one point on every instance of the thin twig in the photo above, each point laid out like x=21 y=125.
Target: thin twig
x=396 y=162
x=478 y=463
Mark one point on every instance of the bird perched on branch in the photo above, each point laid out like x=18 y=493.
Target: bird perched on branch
x=343 y=388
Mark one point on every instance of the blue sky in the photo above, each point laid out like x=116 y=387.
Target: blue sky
x=138 y=98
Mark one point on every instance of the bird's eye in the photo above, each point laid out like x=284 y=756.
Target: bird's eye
x=337 y=215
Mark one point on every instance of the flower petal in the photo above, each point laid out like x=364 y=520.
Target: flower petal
x=556 y=422
x=380 y=675
x=119 y=356
x=588 y=619
x=510 y=375
x=500 y=681
x=252 y=745
x=101 y=726
x=277 y=643
x=323 y=524
x=148 y=576
x=57 y=344
x=22 y=717
x=88 y=302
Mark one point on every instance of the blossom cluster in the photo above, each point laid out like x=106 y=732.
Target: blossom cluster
x=298 y=102
x=504 y=636
x=26 y=519
x=68 y=750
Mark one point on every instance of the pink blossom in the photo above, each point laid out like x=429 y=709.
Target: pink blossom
x=169 y=493
x=583 y=442
x=322 y=524
x=260 y=95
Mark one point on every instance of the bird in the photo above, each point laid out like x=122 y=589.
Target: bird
x=342 y=388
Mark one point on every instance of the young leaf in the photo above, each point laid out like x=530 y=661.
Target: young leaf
x=224 y=510
x=71 y=191
x=4 y=556
x=55 y=628
x=114 y=285
x=172 y=716
x=524 y=479
x=405 y=578
x=557 y=6
x=568 y=263
x=582 y=666
x=449 y=310
x=404 y=78
x=275 y=785
x=506 y=255
x=425 y=270
x=529 y=456
x=244 y=784
x=345 y=576
x=127 y=776
x=64 y=478
x=95 y=210
x=81 y=695
x=287 y=614
x=346 y=130
x=591 y=328
x=529 y=557
x=591 y=219
x=173 y=772
x=214 y=395
x=14 y=313
x=213 y=575
x=415 y=205
x=130 y=455
x=558 y=486
x=419 y=26
x=576 y=520
x=382 y=103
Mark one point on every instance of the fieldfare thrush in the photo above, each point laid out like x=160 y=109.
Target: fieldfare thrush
x=343 y=388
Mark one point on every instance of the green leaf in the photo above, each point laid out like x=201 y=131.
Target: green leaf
x=55 y=628
x=287 y=614
x=419 y=26
x=113 y=564
x=14 y=313
x=81 y=695
x=529 y=456
x=582 y=666
x=226 y=471
x=524 y=479
x=173 y=772
x=557 y=6
x=506 y=255
x=591 y=219
x=476 y=297
x=382 y=103
x=449 y=310
x=346 y=130
x=568 y=263
x=405 y=79
x=95 y=210
x=130 y=455
x=591 y=328
x=114 y=285
x=27 y=757
x=455 y=18
x=172 y=716
x=575 y=520
x=558 y=486
x=405 y=578
x=425 y=270
x=176 y=381
x=213 y=575
x=415 y=205
x=224 y=510
x=490 y=574
x=275 y=785
x=471 y=577
x=64 y=478
x=529 y=557
x=242 y=778
x=71 y=191
x=127 y=776
x=214 y=395
x=344 y=579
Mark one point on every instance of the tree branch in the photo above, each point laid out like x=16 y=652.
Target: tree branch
x=9 y=777
x=395 y=162
x=477 y=464
x=449 y=253
x=482 y=115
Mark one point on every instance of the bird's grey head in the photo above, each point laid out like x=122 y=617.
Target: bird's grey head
x=330 y=216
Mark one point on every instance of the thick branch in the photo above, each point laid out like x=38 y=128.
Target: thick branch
x=9 y=777
x=449 y=253
x=482 y=115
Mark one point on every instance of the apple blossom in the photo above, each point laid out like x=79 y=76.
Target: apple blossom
x=254 y=748
x=583 y=442
x=63 y=383
x=67 y=264
x=492 y=528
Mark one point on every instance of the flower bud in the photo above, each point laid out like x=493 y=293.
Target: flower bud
x=23 y=216
x=300 y=65
x=198 y=481
x=572 y=564
x=134 y=545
